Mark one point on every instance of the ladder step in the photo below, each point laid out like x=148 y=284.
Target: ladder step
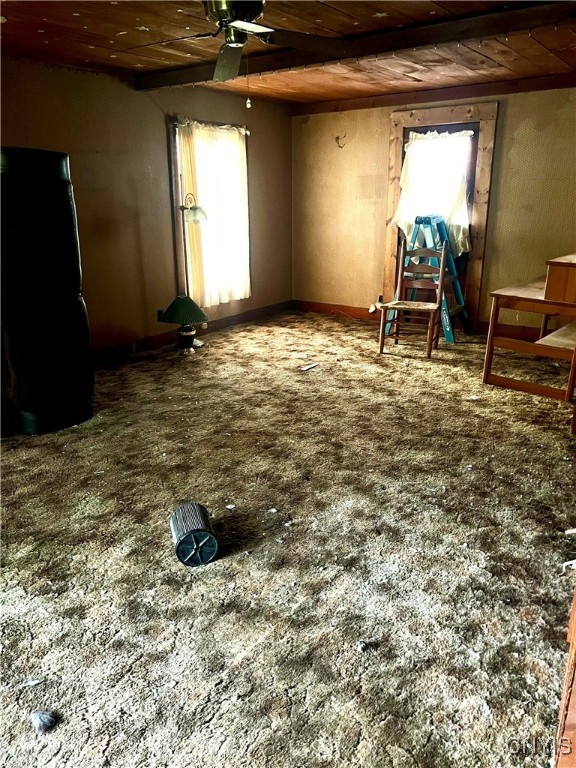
x=435 y=234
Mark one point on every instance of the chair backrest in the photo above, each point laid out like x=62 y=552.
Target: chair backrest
x=425 y=270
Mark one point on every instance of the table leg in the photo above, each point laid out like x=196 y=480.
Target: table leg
x=490 y=340
x=571 y=380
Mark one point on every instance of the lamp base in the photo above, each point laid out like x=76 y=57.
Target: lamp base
x=186 y=335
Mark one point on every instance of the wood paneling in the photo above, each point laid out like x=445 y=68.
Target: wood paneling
x=480 y=90
x=401 y=47
x=514 y=57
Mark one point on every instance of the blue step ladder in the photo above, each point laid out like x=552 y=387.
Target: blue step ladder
x=434 y=232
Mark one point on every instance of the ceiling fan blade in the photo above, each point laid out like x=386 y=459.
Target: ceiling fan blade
x=331 y=47
x=227 y=63
x=249 y=26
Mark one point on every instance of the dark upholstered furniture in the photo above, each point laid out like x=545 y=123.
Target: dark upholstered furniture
x=47 y=372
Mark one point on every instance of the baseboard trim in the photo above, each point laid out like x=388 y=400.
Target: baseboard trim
x=358 y=313
x=249 y=316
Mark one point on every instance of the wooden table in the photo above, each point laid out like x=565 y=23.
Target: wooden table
x=560 y=344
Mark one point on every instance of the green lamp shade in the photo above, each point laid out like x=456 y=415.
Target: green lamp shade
x=182 y=311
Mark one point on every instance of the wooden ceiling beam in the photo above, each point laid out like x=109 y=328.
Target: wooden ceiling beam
x=486 y=25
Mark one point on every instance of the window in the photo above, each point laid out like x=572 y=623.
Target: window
x=211 y=164
x=434 y=181
x=483 y=115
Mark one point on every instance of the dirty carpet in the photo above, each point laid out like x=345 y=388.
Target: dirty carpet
x=387 y=593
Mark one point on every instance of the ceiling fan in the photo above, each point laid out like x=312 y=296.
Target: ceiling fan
x=237 y=18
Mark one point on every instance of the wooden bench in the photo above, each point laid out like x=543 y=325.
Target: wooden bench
x=563 y=339
x=559 y=345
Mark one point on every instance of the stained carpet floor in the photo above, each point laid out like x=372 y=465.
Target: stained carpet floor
x=383 y=499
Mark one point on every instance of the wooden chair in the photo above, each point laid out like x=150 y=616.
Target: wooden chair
x=424 y=271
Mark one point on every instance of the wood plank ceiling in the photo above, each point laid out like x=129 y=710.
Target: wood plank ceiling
x=403 y=47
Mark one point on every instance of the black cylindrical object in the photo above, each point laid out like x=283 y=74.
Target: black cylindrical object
x=194 y=540
x=47 y=376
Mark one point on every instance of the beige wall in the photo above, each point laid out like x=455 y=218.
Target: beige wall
x=339 y=197
x=116 y=139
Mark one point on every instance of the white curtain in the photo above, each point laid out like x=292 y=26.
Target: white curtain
x=434 y=182
x=213 y=167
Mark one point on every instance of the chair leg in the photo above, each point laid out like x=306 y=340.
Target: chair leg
x=437 y=330
x=382 y=327
x=430 y=334
x=397 y=327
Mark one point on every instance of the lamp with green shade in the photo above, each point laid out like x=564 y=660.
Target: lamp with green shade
x=186 y=313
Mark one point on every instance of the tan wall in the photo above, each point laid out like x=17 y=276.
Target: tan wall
x=340 y=178
x=533 y=197
x=116 y=139
x=339 y=197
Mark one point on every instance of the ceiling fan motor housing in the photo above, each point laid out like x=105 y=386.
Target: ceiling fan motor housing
x=235 y=38
x=223 y=12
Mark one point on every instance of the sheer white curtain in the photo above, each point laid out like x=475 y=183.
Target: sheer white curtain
x=213 y=167
x=434 y=182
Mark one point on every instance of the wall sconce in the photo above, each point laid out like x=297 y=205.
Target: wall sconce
x=186 y=313
x=191 y=211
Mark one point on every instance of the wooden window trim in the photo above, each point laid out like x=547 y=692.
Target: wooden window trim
x=177 y=216
x=483 y=114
